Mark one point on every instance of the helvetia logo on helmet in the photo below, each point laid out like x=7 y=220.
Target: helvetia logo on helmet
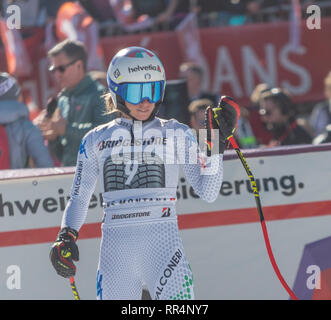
x=144 y=68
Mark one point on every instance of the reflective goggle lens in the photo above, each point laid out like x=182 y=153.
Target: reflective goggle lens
x=136 y=92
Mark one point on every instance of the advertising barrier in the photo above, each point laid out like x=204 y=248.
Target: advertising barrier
x=223 y=240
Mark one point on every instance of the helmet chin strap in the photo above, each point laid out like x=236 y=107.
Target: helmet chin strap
x=122 y=107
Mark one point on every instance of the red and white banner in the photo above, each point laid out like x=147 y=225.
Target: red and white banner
x=223 y=240
x=295 y=24
x=73 y=22
x=188 y=36
x=18 y=60
x=241 y=57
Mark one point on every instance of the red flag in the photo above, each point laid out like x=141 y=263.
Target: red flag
x=189 y=41
x=73 y=22
x=295 y=24
x=18 y=60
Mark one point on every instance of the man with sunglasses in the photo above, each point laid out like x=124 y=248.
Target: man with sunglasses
x=137 y=157
x=78 y=107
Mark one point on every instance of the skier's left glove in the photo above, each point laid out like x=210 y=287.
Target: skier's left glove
x=223 y=118
x=64 y=251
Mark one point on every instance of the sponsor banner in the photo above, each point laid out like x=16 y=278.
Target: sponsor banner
x=38 y=202
x=238 y=59
x=223 y=240
x=288 y=184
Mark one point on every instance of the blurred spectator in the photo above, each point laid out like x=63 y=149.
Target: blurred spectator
x=193 y=74
x=74 y=23
x=48 y=13
x=221 y=13
x=20 y=140
x=79 y=107
x=197 y=113
x=253 y=10
x=137 y=15
x=99 y=10
x=244 y=132
x=321 y=114
x=227 y=12
x=324 y=137
x=161 y=10
x=49 y=9
x=239 y=12
x=274 y=10
x=257 y=93
x=278 y=114
x=259 y=131
x=175 y=13
x=265 y=10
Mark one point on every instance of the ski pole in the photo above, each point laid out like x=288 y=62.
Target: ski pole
x=74 y=288
x=262 y=220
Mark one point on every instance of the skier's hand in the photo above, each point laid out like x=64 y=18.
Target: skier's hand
x=223 y=118
x=64 y=251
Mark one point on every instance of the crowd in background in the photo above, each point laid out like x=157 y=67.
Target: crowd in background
x=53 y=138
x=127 y=16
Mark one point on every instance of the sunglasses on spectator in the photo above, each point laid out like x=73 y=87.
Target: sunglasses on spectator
x=61 y=68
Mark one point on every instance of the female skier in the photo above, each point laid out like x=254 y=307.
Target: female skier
x=137 y=158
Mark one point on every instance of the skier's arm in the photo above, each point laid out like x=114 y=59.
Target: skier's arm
x=83 y=185
x=206 y=176
x=64 y=250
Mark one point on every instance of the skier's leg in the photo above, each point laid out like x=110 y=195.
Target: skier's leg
x=166 y=270
x=117 y=277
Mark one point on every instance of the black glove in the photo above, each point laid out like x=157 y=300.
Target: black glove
x=64 y=251
x=224 y=118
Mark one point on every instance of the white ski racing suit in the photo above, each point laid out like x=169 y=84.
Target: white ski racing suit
x=138 y=164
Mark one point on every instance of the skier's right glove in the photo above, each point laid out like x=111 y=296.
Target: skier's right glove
x=64 y=251
x=223 y=118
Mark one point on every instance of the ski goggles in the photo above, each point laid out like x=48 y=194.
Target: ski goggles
x=136 y=92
